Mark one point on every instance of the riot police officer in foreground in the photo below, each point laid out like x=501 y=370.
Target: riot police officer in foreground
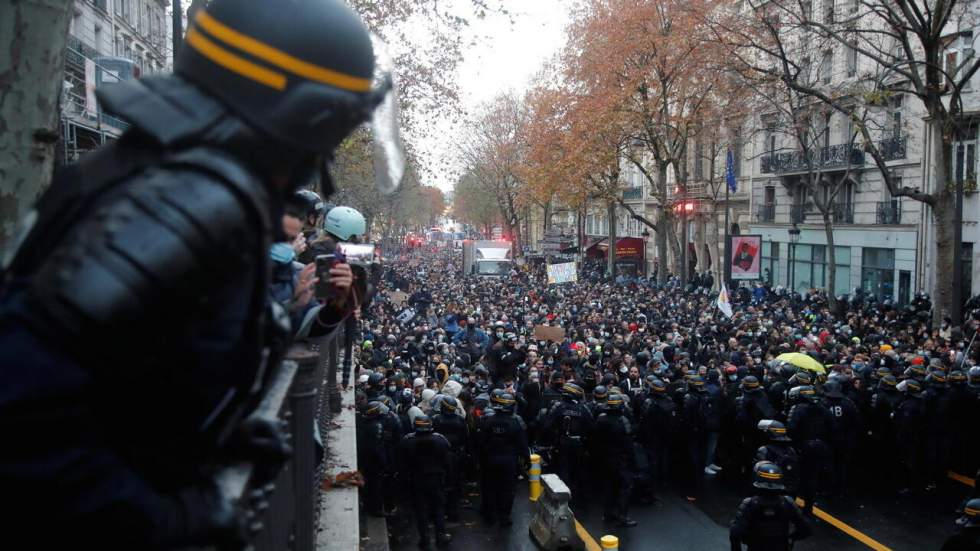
x=567 y=425
x=134 y=310
x=769 y=520
x=448 y=423
x=503 y=446
x=810 y=425
x=967 y=536
x=424 y=460
x=614 y=443
x=778 y=449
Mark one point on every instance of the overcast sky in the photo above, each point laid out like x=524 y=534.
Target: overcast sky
x=507 y=53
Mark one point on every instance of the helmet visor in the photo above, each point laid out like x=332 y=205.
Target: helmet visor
x=389 y=153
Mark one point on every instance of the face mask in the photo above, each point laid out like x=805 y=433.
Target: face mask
x=391 y=389
x=282 y=253
x=500 y=335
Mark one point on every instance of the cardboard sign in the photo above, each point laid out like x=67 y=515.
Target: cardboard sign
x=562 y=273
x=398 y=298
x=548 y=333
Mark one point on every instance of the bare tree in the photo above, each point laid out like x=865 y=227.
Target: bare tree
x=905 y=42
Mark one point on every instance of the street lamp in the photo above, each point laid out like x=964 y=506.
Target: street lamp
x=794 y=238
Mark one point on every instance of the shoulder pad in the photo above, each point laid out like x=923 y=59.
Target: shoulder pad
x=159 y=245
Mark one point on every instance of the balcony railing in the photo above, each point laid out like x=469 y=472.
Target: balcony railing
x=797 y=214
x=843 y=213
x=834 y=156
x=765 y=213
x=892 y=148
x=889 y=212
x=633 y=194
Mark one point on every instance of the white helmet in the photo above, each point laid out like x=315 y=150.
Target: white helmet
x=345 y=223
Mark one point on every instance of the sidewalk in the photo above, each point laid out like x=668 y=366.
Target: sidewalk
x=338 y=527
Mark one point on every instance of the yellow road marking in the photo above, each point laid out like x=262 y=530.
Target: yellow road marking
x=587 y=539
x=964 y=479
x=846 y=528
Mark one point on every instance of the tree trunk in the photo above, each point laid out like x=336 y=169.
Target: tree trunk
x=547 y=216
x=942 y=218
x=611 y=268
x=675 y=235
x=828 y=228
x=33 y=36
x=662 y=255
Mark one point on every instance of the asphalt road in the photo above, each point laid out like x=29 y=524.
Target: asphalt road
x=869 y=519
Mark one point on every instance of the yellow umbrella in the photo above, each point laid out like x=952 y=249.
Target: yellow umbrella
x=802 y=361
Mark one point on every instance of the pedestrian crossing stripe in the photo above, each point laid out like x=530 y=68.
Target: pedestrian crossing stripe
x=846 y=528
x=963 y=479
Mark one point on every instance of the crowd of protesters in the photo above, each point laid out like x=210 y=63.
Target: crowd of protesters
x=649 y=388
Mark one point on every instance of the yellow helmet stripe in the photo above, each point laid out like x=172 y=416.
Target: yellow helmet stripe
x=771 y=476
x=280 y=58
x=235 y=63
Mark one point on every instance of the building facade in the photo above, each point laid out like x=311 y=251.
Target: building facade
x=108 y=41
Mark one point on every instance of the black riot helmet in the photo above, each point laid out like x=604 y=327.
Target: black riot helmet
x=422 y=424
x=301 y=73
x=774 y=430
x=305 y=203
x=768 y=476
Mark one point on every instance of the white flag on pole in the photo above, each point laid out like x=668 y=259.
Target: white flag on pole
x=723 y=304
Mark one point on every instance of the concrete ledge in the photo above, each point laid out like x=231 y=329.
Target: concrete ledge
x=338 y=526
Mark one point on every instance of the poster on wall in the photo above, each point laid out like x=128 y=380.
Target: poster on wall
x=746 y=256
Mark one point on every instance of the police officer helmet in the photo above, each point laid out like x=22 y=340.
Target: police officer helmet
x=345 y=223
x=882 y=371
x=376 y=381
x=373 y=410
x=832 y=388
x=914 y=372
x=936 y=378
x=422 y=424
x=774 y=430
x=302 y=75
x=600 y=393
x=504 y=402
x=888 y=381
x=956 y=378
x=787 y=370
x=696 y=383
x=658 y=386
x=971 y=514
x=495 y=394
x=615 y=402
x=911 y=387
x=750 y=383
x=801 y=378
x=768 y=476
x=448 y=404
x=572 y=390
x=974 y=375
x=807 y=392
x=306 y=203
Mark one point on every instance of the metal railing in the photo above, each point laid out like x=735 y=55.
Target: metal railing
x=889 y=212
x=633 y=194
x=893 y=148
x=834 y=156
x=280 y=511
x=843 y=213
x=765 y=213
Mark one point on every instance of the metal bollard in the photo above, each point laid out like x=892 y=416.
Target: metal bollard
x=609 y=543
x=534 y=477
